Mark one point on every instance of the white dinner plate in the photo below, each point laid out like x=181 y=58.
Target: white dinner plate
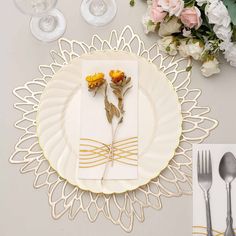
x=160 y=123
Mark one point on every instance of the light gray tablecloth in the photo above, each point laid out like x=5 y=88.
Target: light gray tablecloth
x=24 y=211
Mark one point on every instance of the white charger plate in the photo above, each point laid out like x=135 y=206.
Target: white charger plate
x=160 y=123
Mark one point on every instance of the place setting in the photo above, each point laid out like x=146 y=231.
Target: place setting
x=106 y=124
x=108 y=127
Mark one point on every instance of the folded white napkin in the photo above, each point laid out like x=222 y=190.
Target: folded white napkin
x=95 y=131
x=218 y=199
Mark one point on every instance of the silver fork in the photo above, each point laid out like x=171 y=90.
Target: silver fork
x=204 y=171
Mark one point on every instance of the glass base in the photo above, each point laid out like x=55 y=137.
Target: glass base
x=98 y=15
x=48 y=33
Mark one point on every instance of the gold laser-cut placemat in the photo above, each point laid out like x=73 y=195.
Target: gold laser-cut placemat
x=120 y=209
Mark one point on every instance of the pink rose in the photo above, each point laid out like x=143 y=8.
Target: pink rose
x=157 y=12
x=191 y=17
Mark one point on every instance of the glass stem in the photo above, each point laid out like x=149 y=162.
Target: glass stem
x=48 y=23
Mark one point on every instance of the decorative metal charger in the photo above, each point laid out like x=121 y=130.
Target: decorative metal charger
x=120 y=209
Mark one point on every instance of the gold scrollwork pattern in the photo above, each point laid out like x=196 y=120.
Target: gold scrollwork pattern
x=173 y=181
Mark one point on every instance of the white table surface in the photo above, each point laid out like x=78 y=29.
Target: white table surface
x=24 y=211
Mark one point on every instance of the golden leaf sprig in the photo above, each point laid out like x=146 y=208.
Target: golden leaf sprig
x=111 y=109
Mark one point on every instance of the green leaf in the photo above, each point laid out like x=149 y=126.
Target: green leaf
x=132 y=3
x=189 y=68
x=168 y=48
x=231 y=6
x=150 y=23
x=234 y=34
x=189 y=3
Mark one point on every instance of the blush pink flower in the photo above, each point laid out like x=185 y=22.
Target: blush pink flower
x=191 y=17
x=157 y=12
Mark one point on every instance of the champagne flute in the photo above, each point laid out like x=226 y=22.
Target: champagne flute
x=98 y=12
x=47 y=23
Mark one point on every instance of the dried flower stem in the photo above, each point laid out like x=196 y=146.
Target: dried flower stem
x=111 y=147
x=113 y=140
x=119 y=85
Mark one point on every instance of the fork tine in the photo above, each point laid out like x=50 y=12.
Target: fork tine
x=198 y=163
x=210 y=165
x=202 y=162
x=206 y=162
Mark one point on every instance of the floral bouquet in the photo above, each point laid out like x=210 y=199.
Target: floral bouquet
x=200 y=29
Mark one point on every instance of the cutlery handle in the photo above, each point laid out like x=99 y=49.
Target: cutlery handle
x=229 y=221
x=208 y=214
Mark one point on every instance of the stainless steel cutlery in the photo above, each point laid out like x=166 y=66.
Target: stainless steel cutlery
x=227 y=170
x=204 y=172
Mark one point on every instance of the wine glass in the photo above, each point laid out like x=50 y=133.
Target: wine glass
x=47 y=24
x=98 y=12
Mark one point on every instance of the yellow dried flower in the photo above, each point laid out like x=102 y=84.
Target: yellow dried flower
x=95 y=81
x=117 y=76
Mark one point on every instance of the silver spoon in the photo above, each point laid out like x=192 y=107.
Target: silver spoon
x=227 y=171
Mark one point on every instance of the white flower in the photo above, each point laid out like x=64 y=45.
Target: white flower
x=208 y=45
x=165 y=4
x=193 y=49
x=148 y=25
x=173 y=7
x=149 y=2
x=176 y=7
x=222 y=32
x=183 y=49
x=187 y=33
x=230 y=55
x=169 y=27
x=225 y=46
x=168 y=45
x=201 y=2
x=210 y=68
x=217 y=13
